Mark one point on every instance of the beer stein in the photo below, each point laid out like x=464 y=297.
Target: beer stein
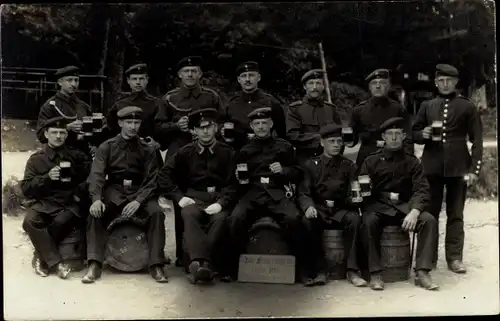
x=229 y=130
x=87 y=126
x=98 y=121
x=365 y=185
x=356 y=192
x=437 y=130
x=329 y=203
x=347 y=134
x=242 y=172
x=65 y=173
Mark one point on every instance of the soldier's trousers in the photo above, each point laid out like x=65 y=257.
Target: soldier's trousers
x=154 y=220
x=371 y=230
x=456 y=191
x=46 y=231
x=179 y=230
x=315 y=260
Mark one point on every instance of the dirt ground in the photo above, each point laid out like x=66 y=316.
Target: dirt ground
x=136 y=296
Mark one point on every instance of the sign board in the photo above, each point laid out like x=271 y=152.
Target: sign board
x=265 y=268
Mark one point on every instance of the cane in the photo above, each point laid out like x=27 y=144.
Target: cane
x=411 y=253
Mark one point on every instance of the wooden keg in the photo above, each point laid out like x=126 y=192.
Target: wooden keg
x=333 y=245
x=127 y=248
x=72 y=249
x=395 y=254
x=266 y=238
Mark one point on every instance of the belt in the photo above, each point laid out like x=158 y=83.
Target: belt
x=121 y=180
x=395 y=196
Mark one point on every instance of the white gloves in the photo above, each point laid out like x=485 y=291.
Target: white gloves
x=213 y=209
x=185 y=201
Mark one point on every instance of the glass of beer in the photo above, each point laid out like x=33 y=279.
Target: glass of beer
x=250 y=135
x=242 y=170
x=356 y=192
x=365 y=185
x=98 y=121
x=347 y=134
x=229 y=130
x=65 y=173
x=87 y=126
x=437 y=130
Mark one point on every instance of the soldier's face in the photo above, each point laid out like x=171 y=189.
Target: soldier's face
x=69 y=84
x=56 y=136
x=130 y=127
x=190 y=76
x=314 y=88
x=332 y=145
x=249 y=80
x=206 y=131
x=262 y=127
x=138 y=83
x=379 y=87
x=446 y=85
x=394 y=138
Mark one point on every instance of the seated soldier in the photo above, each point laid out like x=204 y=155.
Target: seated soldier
x=53 y=176
x=263 y=168
x=196 y=177
x=128 y=193
x=324 y=198
x=399 y=194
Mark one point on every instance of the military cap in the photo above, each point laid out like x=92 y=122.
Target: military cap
x=330 y=130
x=378 y=74
x=137 y=69
x=312 y=74
x=247 y=66
x=446 y=70
x=191 y=61
x=67 y=71
x=260 y=113
x=394 y=122
x=57 y=122
x=198 y=116
x=129 y=112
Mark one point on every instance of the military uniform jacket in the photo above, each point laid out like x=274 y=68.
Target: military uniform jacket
x=173 y=106
x=327 y=179
x=258 y=154
x=450 y=157
x=199 y=172
x=53 y=196
x=395 y=172
x=242 y=104
x=143 y=100
x=304 y=119
x=366 y=120
x=68 y=107
x=119 y=160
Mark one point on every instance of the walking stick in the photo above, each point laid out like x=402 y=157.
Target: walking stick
x=411 y=253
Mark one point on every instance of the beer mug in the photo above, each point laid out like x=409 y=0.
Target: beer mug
x=347 y=134
x=329 y=203
x=250 y=135
x=65 y=173
x=229 y=130
x=242 y=171
x=356 y=192
x=87 y=126
x=437 y=130
x=98 y=121
x=365 y=185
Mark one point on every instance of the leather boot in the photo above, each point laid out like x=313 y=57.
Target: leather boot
x=423 y=279
x=93 y=273
x=320 y=279
x=158 y=274
x=39 y=266
x=457 y=266
x=355 y=279
x=376 y=282
x=63 y=270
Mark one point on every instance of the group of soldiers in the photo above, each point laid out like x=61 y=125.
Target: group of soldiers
x=227 y=165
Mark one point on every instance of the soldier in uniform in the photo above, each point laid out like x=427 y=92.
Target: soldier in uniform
x=446 y=159
x=305 y=117
x=55 y=211
x=128 y=192
x=399 y=196
x=367 y=117
x=197 y=179
x=325 y=199
x=66 y=104
x=248 y=99
x=271 y=165
x=171 y=120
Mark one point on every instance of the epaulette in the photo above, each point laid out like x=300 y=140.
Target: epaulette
x=296 y=103
x=375 y=153
x=364 y=102
x=150 y=97
x=283 y=141
x=122 y=96
x=465 y=98
x=171 y=92
x=410 y=154
x=210 y=90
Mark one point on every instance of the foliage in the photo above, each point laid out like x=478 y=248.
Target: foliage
x=487 y=187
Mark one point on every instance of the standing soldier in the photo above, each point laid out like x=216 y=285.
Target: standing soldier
x=399 y=196
x=442 y=124
x=53 y=176
x=128 y=192
x=171 y=121
x=305 y=117
x=197 y=179
x=66 y=104
x=325 y=200
x=370 y=114
x=244 y=102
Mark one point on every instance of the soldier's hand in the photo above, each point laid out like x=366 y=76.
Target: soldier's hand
x=410 y=221
x=473 y=178
x=349 y=144
x=215 y=208
x=97 y=208
x=75 y=126
x=130 y=209
x=276 y=168
x=311 y=212
x=427 y=132
x=185 y=201
x=55 y=173
x=183 y=123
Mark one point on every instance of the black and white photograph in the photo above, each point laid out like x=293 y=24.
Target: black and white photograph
x=249 y=160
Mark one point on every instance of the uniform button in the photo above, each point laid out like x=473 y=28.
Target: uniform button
x=479 y=162
x=447 y=99
x=444 y=127
x=444 y=140
x=445 y=105
x=444 y=121
x=478 y=166
x=446 y=110
x=444 y=134
x=477 y=172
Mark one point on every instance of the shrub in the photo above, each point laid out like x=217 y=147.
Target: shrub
x=487 y=186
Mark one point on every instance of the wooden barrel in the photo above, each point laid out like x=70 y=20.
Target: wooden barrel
x=333 y=244
x=127 y=248
x=72 y=249
x=395 y=254
x=266 y=238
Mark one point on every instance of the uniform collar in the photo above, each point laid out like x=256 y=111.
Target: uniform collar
x=251 y=96
x=393 y=154
x=186 y=92
x=449 y=96
x=52 y=152
x=141 y=94
x=330 y=160
x=67 y=99
x=122 y=142
x=201 y=148
x=264 y=141
x=314 y=101
x=384 y=100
